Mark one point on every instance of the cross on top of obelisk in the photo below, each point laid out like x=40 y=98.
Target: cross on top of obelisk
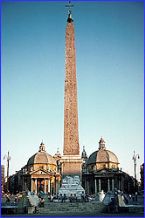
x=69 y=6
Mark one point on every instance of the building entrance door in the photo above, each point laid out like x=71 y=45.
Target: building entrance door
x=40 y=185
x=104 y=184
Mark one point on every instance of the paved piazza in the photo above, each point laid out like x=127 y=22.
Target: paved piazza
x=92 y=208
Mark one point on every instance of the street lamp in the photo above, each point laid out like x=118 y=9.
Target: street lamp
x=8 y=159
x=135 y=157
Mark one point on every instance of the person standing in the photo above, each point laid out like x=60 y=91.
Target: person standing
x=136 y=196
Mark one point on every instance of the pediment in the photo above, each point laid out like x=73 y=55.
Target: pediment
x=39 y=172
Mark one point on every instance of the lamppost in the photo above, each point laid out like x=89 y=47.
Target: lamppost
x=135 y=157
x=8 y=159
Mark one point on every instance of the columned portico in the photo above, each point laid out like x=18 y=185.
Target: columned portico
x=42 y=180
x=105 y=180
x=40 y=171
x=101 y=170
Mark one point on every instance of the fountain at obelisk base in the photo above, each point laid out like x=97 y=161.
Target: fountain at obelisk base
x=71 y=186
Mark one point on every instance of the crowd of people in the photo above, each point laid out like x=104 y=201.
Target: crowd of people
x=12 y=199
x=71 y=198
x=33 y=201
x=121 y=199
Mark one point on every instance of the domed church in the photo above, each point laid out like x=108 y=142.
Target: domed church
x=102 y=158
x=41 y=173
x=101 y=171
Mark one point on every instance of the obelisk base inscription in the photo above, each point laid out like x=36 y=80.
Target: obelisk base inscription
x=71 y=165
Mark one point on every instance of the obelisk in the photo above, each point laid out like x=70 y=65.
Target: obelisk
x=72 y=161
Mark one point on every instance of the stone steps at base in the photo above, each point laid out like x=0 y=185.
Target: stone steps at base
x=71 y=208
x=136 y=209
x=59 y=208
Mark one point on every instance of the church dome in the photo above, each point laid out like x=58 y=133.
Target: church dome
x=41 y=157
x=102 y=155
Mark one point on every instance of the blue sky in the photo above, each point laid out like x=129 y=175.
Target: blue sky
x=109 y=58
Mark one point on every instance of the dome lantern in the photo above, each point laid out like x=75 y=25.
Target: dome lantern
x=57 y=154
x=41 y=157
x=42 y=147
x=102 y=144
x=103 y=157
x=84 y=154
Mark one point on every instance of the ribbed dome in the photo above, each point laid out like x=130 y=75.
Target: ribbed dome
x=102 y=155
x=41 y=157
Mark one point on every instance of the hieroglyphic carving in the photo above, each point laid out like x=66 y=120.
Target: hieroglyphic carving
x=71 y=137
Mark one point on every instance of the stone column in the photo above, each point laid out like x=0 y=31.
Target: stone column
x=99 y=185
x=48 y=185
x=119 y=185
x=44 y=185
x=36 y=186
x=108 y=184
x=31 y=185
x=112 y=184
x=56 y=185
x=95 y=186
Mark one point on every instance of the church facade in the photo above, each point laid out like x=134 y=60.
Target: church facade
x=101 y=172
x=40 y=174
